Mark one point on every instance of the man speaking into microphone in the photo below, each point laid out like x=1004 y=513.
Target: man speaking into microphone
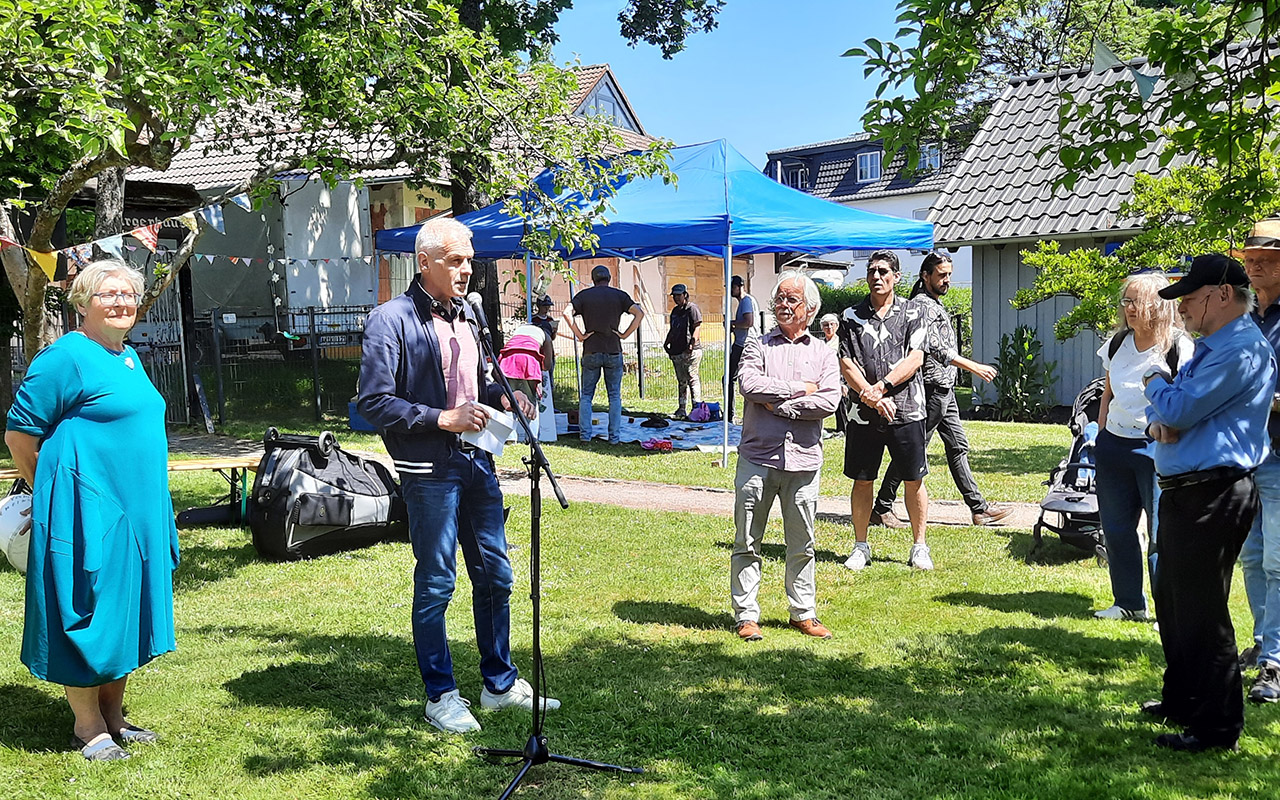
x=423 y=383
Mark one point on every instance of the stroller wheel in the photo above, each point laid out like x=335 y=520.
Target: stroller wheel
x=1101 y=552
x=1036 y=542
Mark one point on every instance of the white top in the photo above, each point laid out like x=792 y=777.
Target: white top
x=1127 y=414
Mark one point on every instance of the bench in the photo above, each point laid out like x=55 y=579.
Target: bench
x=232 y=508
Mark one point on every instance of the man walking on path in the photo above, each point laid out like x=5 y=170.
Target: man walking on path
x=684 y=345
x=422 y=383
x=1209 y=423
x=942 y=413
x=790 y=382
x=601 y=308
x=746 y=321
x=1260 y=556
x=881 y=350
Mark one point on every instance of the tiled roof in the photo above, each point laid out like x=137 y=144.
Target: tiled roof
x=833 y=169
x=1003 y=188
x=207 y=166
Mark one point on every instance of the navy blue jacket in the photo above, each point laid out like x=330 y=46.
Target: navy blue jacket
x=402 y=389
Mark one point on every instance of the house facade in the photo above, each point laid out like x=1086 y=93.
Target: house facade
x=1003 y=198
x=854 y=171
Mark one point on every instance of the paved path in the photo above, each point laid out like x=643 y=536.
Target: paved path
x=628 y=494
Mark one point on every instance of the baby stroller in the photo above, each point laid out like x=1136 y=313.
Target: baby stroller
x=1070 y=509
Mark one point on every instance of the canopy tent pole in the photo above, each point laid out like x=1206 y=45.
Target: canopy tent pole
x=528 y=286
x=728 y=343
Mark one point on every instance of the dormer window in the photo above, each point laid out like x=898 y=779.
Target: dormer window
x=869 y=166
x=930 y=157
x=796 y=176
x=604 y=102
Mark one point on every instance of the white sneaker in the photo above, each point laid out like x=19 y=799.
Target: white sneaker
x=919 y=557
x=1116 y=612
x=451 y=713
x=859 y=558
x=520 y=695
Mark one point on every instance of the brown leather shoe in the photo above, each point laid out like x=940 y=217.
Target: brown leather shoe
x=749 y=631
x=992 y=515
x=811 y=627
x=888 y=520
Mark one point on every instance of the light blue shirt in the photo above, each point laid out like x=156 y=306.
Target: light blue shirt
x=1219 y=402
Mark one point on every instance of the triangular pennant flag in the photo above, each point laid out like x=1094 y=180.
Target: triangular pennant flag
x=243 y=201
x=47 y=262
x=80 y=255
x=1103 y=58
x=8 y=243
x=130 y=247
x=148 y=235
x=234 y=259
x=189 y=220
x=213 y=216
x=113 y=245
x=1146 y=84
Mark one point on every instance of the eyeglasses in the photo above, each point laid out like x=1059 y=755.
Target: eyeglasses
x=1129 y=302
x=788 y=300
x=880 y=271
x=118 y=298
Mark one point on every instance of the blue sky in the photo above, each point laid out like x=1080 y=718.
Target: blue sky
x=769 y=76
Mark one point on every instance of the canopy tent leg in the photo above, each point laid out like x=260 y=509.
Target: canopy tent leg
x=528 y=286
x=728 y=344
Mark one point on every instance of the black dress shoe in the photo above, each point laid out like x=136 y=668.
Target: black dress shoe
x=1156 y=709
x=1189 y=743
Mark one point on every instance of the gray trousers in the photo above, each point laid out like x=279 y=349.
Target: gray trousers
x=755 y=488
x=688 y=377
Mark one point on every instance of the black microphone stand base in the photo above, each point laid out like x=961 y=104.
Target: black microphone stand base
x=536 y=752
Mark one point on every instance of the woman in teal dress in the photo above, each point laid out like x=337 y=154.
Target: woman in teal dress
x=87 y=431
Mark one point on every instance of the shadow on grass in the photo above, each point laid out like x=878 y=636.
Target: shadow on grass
x=1010 y=711
x=1051 y=552
x=1016 y=461
x=203 y=564
x=651 y=612
x=1045 y=605
x=32 y=720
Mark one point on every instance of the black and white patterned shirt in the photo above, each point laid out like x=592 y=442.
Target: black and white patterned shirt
x=939 y=342
x=877 y=346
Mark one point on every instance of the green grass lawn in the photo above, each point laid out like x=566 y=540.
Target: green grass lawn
x=984 y=679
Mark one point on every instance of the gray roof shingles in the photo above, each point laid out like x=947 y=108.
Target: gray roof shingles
x=833 y=170
x=1003 y=188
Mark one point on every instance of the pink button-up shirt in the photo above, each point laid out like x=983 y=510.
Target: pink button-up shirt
x=782 y=426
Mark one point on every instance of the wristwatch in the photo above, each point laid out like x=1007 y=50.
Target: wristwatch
x=1153 y=371
x=888 y=387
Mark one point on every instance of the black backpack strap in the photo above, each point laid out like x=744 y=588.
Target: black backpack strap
x=1116 y=341
x=1171 y=357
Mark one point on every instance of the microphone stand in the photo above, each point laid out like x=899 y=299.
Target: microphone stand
x=536 y=749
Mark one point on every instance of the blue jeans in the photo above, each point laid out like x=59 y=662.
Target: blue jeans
x=1126 y=487
x=592 y=364
x=1260 y=562
x=464 y=507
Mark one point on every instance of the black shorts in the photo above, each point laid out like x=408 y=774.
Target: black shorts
x=864 y=448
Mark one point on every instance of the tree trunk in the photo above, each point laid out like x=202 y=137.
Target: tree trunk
x=109 y=210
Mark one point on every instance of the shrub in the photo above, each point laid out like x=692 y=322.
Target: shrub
x=1022 y=387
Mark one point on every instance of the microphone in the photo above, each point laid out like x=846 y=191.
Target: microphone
x=477 y=308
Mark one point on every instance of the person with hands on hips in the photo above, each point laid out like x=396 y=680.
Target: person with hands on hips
x=423 y=381
x=601 y=308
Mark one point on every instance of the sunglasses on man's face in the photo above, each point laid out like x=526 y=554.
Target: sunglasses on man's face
x=879 y=271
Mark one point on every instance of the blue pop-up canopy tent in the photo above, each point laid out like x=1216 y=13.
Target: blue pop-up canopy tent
x=719 y=206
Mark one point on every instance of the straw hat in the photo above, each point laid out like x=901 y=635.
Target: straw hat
x=1264 y=236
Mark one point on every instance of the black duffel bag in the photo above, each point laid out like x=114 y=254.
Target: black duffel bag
x=312 y=498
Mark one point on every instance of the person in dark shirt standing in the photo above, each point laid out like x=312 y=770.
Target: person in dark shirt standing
x=601 y=308
x=546 y=404
x=746 y=323
x=684 y=345
x=882 y=342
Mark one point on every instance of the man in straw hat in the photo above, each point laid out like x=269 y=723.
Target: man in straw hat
x=1260 y=556
x=1207 y=423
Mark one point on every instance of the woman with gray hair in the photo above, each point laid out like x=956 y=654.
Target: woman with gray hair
x=86 y=430
x=1149 y=334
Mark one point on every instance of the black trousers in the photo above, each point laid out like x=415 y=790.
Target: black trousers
x=1202 y=528
x=735 y=358
x=942 y=414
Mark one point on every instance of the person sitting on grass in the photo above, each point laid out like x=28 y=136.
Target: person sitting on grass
x=790 y=382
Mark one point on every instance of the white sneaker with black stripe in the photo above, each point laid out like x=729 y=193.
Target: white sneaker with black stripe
x=1116 y=612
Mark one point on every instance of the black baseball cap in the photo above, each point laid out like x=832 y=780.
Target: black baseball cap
x=545 y=300
x=736 y=280
x=1213 y=269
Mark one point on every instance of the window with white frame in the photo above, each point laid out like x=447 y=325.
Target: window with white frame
x=796 y=176
x=869 y=166
x=931 y=157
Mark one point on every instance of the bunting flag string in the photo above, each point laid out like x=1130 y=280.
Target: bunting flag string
x=148 y=235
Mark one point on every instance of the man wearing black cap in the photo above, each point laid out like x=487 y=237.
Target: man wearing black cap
x=601 y=308
x=546 y=405
x=1209 y=423
x=684 y=345
x=746 y=321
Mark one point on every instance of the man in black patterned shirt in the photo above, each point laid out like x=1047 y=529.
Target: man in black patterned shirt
x=942 y=414
x=881 y=350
